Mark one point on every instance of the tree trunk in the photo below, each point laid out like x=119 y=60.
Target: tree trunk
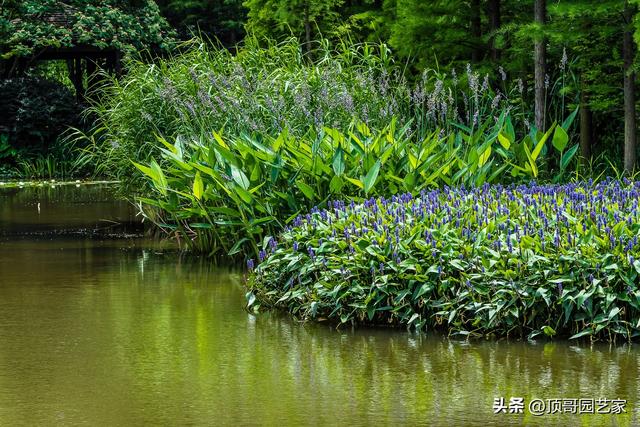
x=74 y=66
x=628 y=50
x=117 y=61
x=540 y=66
x=476 y=31
x=586 y=133
x=494 y=25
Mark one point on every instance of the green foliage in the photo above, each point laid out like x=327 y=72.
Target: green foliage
x=7 y=152
x=225 y=196
x=597 y=53
x=262 y=89
x=129 y=26
x=63 y=161
x=516 y=261
x=33 y=144
x=54 y=70
x=425 y=29
x=222 y=20
x=36 y=112
x=306 y=19
x=267 y=88
x=583 y=49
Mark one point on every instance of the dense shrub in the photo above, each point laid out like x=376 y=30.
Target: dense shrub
x=517 y=260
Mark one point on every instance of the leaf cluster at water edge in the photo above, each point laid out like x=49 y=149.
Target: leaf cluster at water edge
x=221 y=194
x=518 y=260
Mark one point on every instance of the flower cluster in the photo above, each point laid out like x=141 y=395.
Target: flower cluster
x=529 y=258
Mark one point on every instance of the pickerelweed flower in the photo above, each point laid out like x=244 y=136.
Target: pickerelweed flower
x=535 y=243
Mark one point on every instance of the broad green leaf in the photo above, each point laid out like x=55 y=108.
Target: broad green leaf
x=566 y=157
x=306 y=190
x=336 y=184
x=538 y=148
x=614 y=312
x=532 y=163
x=237 y=247
x=413 y=160
x=560 y=139
x=484 y=156
x=146 y=170
x=224 y=153
x=548 y=331
x=338 y=162
x=164 y=142
x=569 y=120
x=259 y=221
x=244 y=194
x=372 y=176
x=226 y=211
x=582 y=334
x=504 y=141
x=280 y=140
x=198 y=186
x=355 y=182
x=218 y=138
x=412 y=318
x=160 y=181
x=240 y=178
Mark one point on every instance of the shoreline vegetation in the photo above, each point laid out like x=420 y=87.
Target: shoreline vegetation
x=222 y=150
x=225 y=151
x=459 y=187
x=516 y=261
x=14 y=183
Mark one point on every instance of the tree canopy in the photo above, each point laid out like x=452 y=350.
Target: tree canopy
x=32 y=25
x=220 y=19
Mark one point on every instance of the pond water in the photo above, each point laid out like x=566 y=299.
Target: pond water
x=100 y=326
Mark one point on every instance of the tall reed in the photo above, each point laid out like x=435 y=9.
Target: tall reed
x=267 y=87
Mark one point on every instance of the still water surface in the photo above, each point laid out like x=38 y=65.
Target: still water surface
x=99 y=326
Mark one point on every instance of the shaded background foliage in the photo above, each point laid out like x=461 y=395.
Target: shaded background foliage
x=39 y=101
x=583 y=40
x=222 y=20
x=36 y=111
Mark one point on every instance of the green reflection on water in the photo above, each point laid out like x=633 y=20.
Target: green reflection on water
x=63 y=210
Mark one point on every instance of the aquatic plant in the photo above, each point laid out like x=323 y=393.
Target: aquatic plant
x=225 y=194
x=517 y=260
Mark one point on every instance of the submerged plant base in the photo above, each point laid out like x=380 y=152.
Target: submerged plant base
x=529 y=260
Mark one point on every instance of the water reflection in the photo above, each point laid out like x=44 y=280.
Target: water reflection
x=130 y=336
x=56 y=210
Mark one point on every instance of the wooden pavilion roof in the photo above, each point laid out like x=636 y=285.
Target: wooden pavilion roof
x=60 y=17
